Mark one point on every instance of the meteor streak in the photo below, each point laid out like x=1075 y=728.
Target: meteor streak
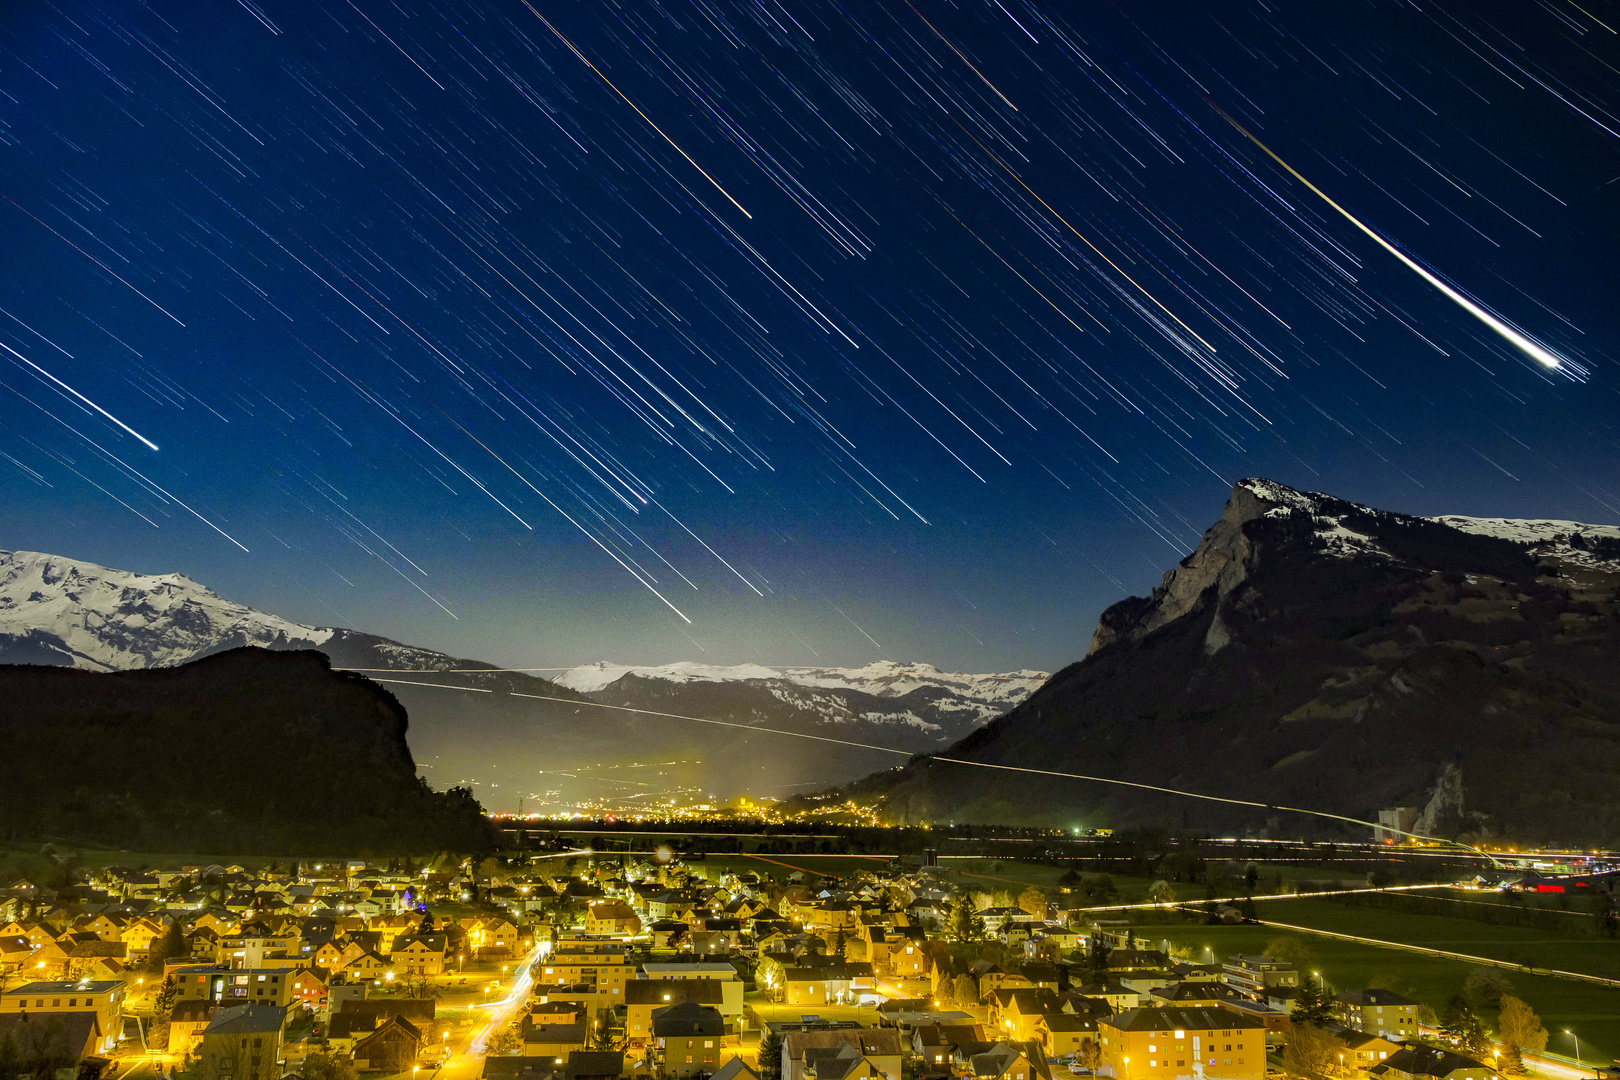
x=150 y=444
x=1539 y=353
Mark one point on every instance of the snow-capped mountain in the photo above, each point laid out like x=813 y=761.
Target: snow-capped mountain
x=983 y=695
x=1316 y=653
x=77 y=614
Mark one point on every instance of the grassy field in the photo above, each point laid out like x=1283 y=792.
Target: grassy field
x=1517 y=945
x=1590 y=1011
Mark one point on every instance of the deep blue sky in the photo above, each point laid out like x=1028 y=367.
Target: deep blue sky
x=435 y=308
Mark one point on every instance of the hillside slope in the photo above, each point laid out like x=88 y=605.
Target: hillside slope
x=246 y=751
x=1316 y=653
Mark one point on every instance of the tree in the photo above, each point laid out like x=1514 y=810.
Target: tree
x=1313 y=1006
x=507 y=1042
x=1097 y=951
x=1033 y=901
x=967 y=990
x=965 y=923
x=603 y=1035
x=1090 y=1054
x=10 y=1059
x=163 y=1004
x=840 y=944
x=324 y=1066
x=1291 y=951
x=1460 y=1024
x=770 y=1056
x=1312 y=1050
x=1488 y=984
x=1160 y=892
x=1520 y=1029
x=167 y=947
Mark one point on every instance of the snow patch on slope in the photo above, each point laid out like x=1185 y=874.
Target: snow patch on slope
x=1570 y=541
x=77 y=613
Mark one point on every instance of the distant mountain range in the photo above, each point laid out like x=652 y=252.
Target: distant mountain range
x=508 y=733
x=1317 y=653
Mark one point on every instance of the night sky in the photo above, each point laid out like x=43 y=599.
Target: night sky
x=783 y=331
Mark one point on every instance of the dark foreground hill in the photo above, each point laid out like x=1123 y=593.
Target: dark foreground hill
x=520 y=741
x=1316 y=653
x=246 y=751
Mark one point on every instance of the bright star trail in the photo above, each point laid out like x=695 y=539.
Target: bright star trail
x=786 y=331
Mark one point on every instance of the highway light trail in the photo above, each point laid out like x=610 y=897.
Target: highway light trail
x=522 y=980
x=1532 y=349
x=1055 y=773
x=1445 y=954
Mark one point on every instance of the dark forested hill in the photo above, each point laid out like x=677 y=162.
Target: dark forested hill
x=245 y=751
x=1316 y=653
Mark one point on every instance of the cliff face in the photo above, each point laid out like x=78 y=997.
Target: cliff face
x=1313 y=652
x=246 y=751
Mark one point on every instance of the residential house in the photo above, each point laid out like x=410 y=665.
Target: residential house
x=1191 y=995
x=1380 y=1012
x=243 y=1042
x=686 y=1039
x=491 y=938
x=1427 y=1063
x=612 y=917
x=104 y=999
x=643 y=997
x=391 y=1048
x=309 y=986
x=1009 y=1061
x=1149 y=1043
x=909 y=960
x=554 y=1040
x=1252 y=975
x=1366 y=1050
x=419 y=954
x=14 y=953
x=369 y=965
x=605 y=967
x=937 y=1046
x=1014 y=1013
x=880 y=1048
x=187 y=1022
x=1061 y=1034
x=271 y=986
x=731 y=984
x=1118 y=996
x=668 y=934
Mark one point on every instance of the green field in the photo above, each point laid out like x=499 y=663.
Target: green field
x=1590 y=1011
x=1515 y=945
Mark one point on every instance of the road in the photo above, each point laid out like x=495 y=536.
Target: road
x=466 y=1057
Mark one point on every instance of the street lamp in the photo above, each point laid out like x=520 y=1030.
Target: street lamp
x=1577 y=1039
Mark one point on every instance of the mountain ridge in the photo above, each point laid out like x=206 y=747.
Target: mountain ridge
x=1318 y=653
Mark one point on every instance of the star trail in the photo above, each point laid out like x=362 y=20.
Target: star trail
x=770 y=330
